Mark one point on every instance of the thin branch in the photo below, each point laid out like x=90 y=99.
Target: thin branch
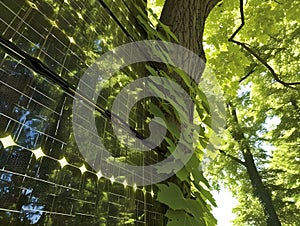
x=247 y=75
x=253 y=53
x=242 y=21
x=261 y=60
x=232 y=157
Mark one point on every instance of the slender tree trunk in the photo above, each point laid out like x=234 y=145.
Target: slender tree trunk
x=260 y=190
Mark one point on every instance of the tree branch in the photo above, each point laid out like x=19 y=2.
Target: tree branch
x=254 y=54
x=247 y=75
x=242 y=21
x=262 y=61
x=232 y=157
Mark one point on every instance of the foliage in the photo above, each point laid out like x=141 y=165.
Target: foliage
x=265 y=92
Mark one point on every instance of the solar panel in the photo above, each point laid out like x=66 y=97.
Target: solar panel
x=46 y=46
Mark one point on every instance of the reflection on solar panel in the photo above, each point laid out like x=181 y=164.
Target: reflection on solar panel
x=46 y=46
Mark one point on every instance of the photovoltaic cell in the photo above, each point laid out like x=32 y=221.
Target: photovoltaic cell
x=44 y=179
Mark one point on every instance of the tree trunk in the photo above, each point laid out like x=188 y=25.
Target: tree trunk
x=260 y=190
x=186 y=19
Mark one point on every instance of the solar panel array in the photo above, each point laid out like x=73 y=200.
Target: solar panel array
x=44 y=179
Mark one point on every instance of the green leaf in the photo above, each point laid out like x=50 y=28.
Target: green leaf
x=170 y=142
x=168 y=31
x=173 y=129
x=180 y=218
x=183 y=174
x=152 y=70
x=147 y=26
x=172 y=196
x=156 y=111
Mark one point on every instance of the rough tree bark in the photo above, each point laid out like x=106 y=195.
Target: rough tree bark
x=186 y=19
